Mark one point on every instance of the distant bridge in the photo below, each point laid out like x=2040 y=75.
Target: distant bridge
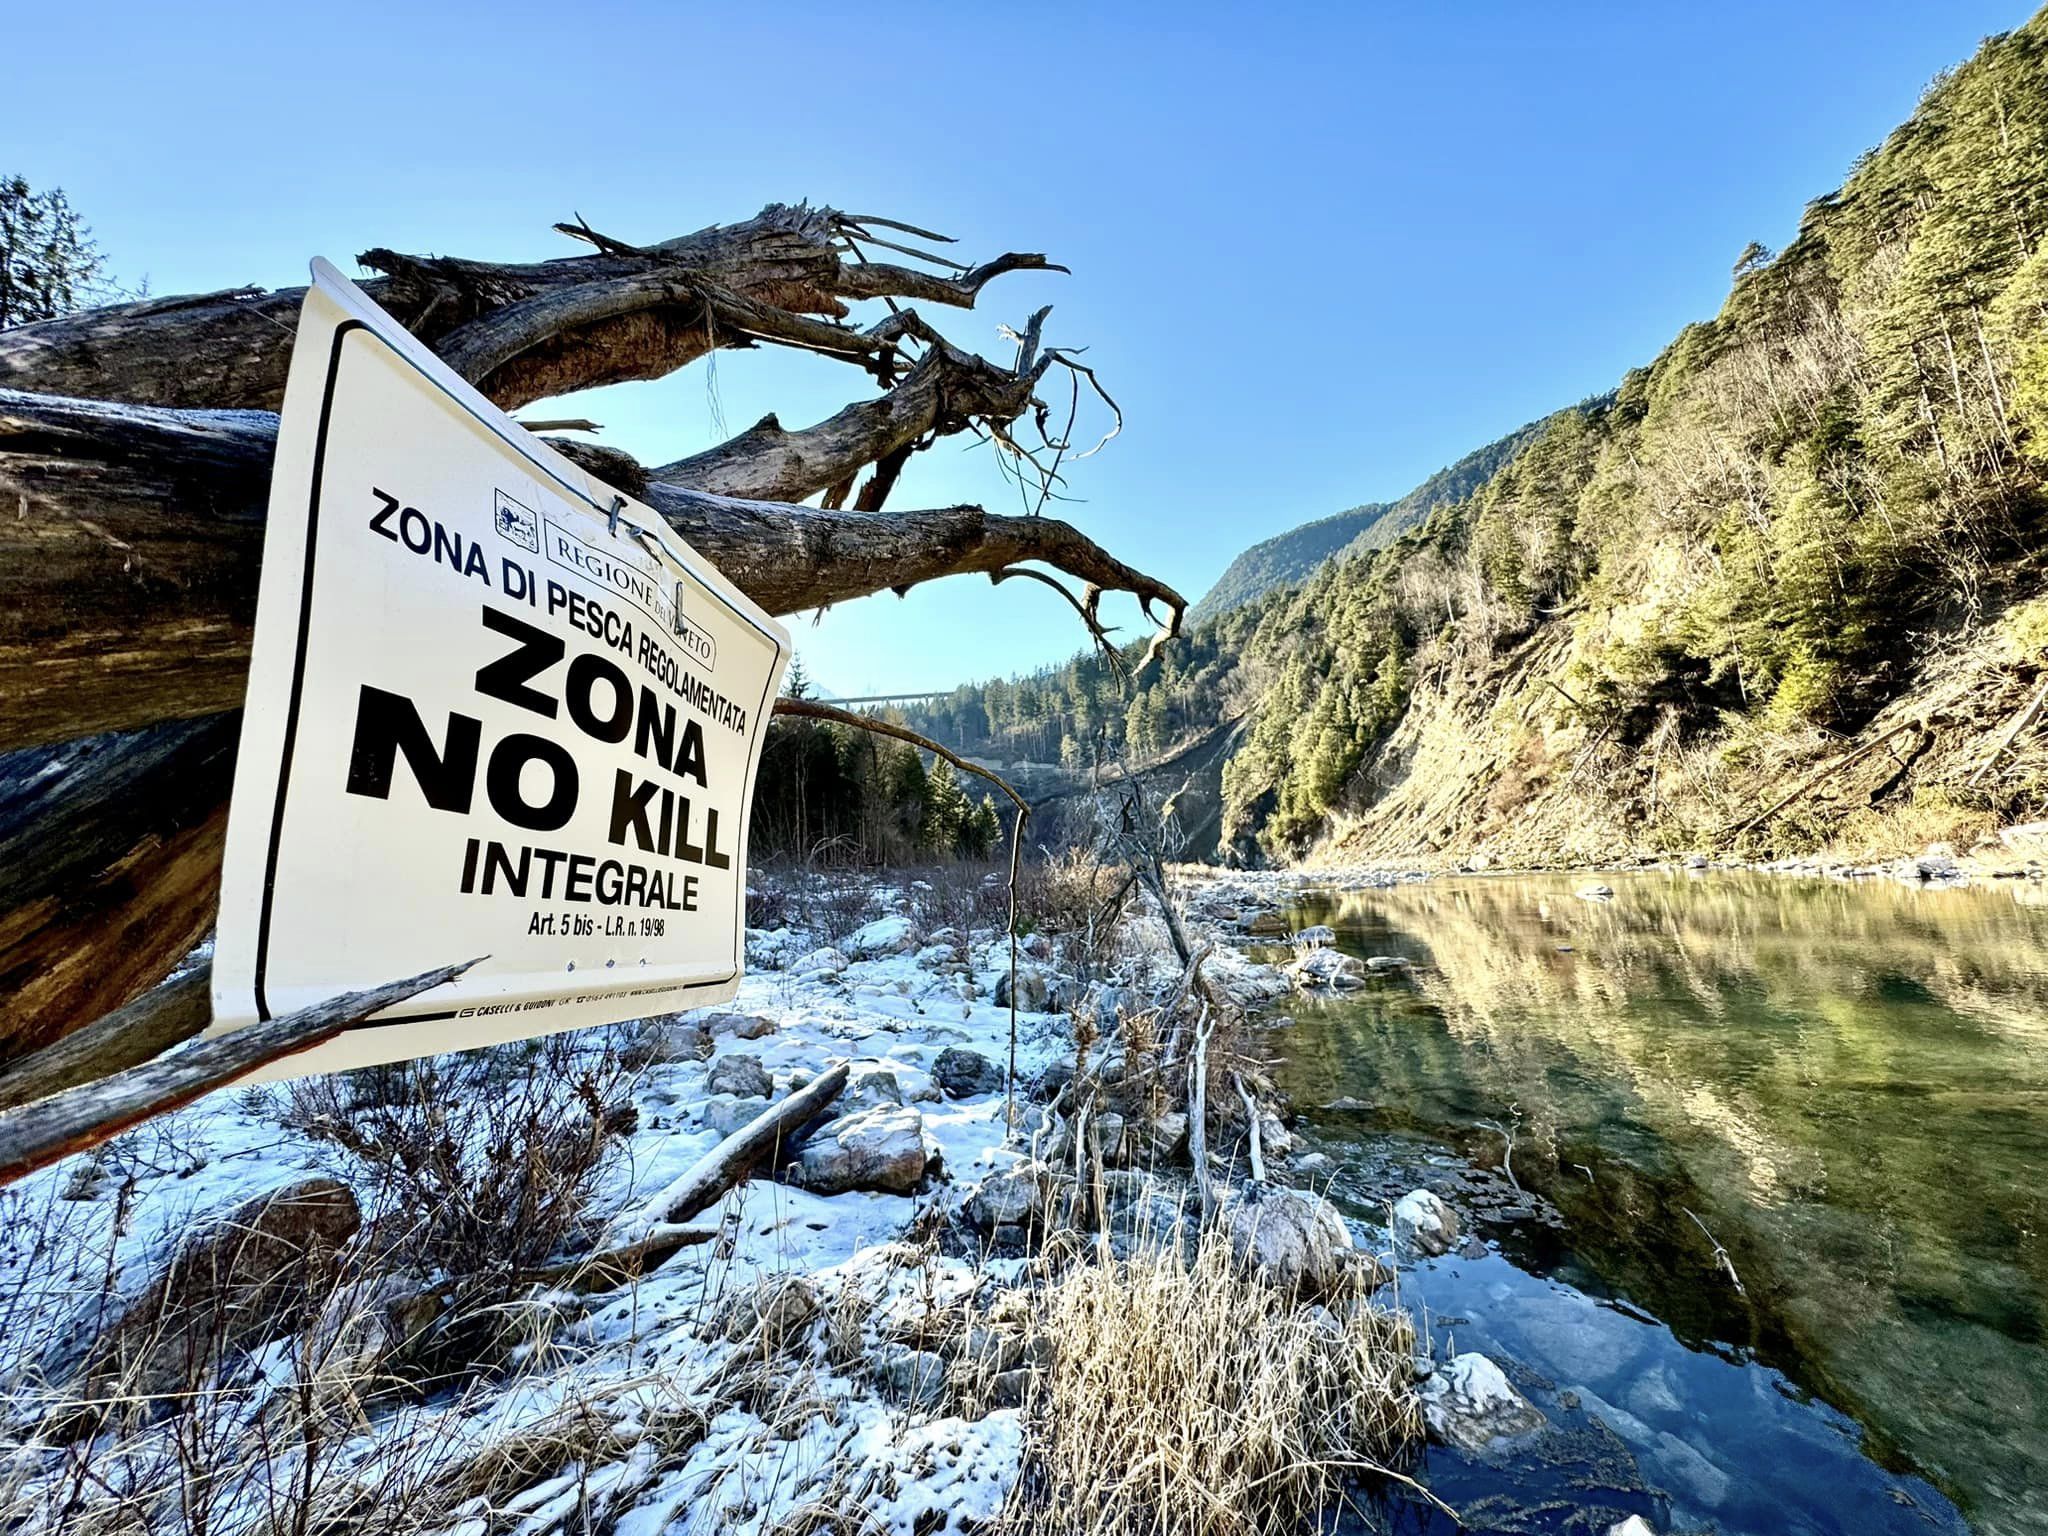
x=895 y=698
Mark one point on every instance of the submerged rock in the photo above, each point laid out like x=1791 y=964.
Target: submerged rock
x=1321 y=968
x=1468 y=1404
x=1422 y=1222
x=879 y=1149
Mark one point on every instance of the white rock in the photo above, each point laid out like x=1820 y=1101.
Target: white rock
x=884 y=936
x=1311 y=938
x=1634 y=1525
x=878 y=1149
x=1295 y=1240
x=1469 y=1404
x=819 y=961
x=1326 y=968
x=1245 y=982
x=1593 y=890
x=933 y=956
x=725 y=1114
x=1424 y=1223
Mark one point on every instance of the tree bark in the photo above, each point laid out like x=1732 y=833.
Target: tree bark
x=538 y=328
x=162 y=1017
x=109 y=870
x=128 y=568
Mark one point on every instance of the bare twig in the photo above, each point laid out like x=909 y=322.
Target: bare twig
x=1720 y=1253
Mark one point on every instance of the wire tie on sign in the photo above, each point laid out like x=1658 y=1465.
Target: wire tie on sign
x=612 y=517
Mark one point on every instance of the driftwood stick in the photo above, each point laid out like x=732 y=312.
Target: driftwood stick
x=1251 y=1120
x=159 y=1019
x=2020 y=722
x=707 y=1179
x=597 y=1272
x=1198 y=1115
x=81 y=1118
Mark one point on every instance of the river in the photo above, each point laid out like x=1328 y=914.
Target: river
x=1785 y=1149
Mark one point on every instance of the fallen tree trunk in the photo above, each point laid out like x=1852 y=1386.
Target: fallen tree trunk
x=128 y=565
x=533 y=329
x=732 y=1159
x=81 y=1118
x=131 y=519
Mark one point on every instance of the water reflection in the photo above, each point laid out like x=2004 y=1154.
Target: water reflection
x=1847 y=1086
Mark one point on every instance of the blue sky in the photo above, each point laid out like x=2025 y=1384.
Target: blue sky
x=1318 y=251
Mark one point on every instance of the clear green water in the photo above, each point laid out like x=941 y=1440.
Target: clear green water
x=1847 y=1085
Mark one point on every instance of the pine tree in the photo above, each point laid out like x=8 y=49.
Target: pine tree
x=948 y=811
x=48 y=261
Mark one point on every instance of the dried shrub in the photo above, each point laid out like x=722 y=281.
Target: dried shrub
x=477 y=1168
x=1184 y=1396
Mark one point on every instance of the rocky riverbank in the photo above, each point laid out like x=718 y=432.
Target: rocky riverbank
x=233 y=1299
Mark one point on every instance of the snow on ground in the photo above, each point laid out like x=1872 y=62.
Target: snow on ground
x=888 y=999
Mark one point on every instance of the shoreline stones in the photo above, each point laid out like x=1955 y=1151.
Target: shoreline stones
x=1468 y=1404
x=1425 y=1224
x=1295 y=1241
x=880 y=1149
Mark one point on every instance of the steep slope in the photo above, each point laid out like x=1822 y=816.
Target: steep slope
x=1781 y=589
x=1290 y=558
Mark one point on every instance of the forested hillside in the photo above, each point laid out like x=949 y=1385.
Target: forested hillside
x=1805 y=543
x=1288 y=559
x=1812 y=525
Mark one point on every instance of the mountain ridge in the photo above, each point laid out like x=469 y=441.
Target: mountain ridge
x=1289 y=558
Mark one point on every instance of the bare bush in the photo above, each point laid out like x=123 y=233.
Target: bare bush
x=1185 y=1396
x=478 y=1169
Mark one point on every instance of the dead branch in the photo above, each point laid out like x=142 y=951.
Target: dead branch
x=159 y=1019
x=128 y=563
x=637 y=312
x=2012 y=732
x=80 y=1118
x=707 y=1179
x=1198 y=1113
x=1251 y=1120
x=1832 y=766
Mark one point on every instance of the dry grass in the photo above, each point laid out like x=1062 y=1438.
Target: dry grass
x=1184 y=1396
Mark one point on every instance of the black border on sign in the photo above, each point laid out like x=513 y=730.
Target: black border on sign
x=291 y=722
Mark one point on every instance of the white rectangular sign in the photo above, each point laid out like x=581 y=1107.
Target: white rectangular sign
x=495 y=709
